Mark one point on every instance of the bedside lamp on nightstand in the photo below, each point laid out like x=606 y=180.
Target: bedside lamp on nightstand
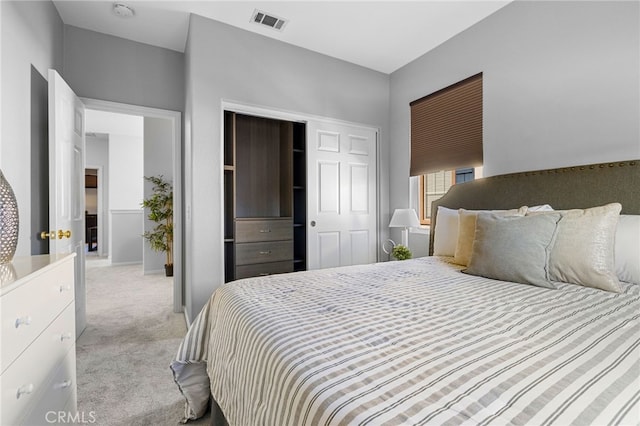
x=404 y=218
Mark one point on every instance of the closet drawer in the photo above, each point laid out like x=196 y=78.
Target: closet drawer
x=26 y=379
x=248 y=231
x=249 y=253
x=261 y=269
x=28 y=309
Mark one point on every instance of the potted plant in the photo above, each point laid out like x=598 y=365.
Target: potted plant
x=401 y=252
x=160 y=205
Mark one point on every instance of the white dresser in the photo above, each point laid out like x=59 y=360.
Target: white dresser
x=37 y=353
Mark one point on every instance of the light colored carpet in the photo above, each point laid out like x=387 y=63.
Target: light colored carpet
x=124 y=353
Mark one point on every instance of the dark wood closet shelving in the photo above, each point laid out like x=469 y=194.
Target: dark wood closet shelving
x=264 y=195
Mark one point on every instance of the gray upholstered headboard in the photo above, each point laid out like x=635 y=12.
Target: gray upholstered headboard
x=564 y=188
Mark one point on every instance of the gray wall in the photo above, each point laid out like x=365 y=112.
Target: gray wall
x=225 y=63
x=561 y=86
x=109 y=68
x=31 y=35
x=126 y=244
x=158 y=160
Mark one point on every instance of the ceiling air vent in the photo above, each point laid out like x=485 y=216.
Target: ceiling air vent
x=268 y=19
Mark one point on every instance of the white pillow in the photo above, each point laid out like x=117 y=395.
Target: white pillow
x=627 y=249
x=540 y=208
x=446 y=232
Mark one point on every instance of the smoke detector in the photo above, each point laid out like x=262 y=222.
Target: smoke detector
x=268 y=20
x=123 y=10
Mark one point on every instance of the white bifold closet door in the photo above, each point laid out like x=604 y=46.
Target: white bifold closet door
x=342 y=194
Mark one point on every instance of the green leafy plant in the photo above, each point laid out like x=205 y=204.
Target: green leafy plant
x=401 y=252
x=160 y=205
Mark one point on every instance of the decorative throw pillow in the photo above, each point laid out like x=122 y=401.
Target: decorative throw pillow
x=627 y=249
x=446 y=232
x=467 y=230
x=583 y=252
x=512 y=248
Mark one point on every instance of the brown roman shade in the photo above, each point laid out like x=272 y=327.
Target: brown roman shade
x=446 y=128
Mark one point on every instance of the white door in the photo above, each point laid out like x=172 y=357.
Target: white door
x=341 y=203
x=66 y=182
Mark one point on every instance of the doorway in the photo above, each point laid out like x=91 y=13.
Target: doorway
x=91 y=210
x=118 y=217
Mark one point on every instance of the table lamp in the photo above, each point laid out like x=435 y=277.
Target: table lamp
x=404 y=218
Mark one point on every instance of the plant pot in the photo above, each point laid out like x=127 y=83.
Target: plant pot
x=168 y=270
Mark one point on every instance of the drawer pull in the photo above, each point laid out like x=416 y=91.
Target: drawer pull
x=265 y=231
x=24 y=390
x=65 y=288
x=65 y=336
x=264 y=274
x=265 y=252
x=23 y=321
x=62 y=385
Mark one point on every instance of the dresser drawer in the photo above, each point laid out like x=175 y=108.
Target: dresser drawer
x=28 y=309
x=25 y=380
x=276 y=251
x=60 y=391
x=261 y=269
x=248 y=231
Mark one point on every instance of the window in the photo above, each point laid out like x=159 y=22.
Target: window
x=434 y=185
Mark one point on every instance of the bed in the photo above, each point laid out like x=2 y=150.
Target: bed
x=434 y=341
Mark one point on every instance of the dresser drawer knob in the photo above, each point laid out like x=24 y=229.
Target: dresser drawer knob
x=265 y=231
x=265 y=252
x=65 y=336
x=23 y=321
x=62 y=385
x=65 y=288
x=24 y=390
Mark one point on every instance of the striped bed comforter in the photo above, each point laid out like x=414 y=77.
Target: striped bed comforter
x=412 y=343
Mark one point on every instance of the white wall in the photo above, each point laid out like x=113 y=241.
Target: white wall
x=126 y=144
x=31 y=33
x=158 y=160
x=125 y=179
x=223 y=62
x=561 y=86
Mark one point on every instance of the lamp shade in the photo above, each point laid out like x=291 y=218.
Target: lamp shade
x=404 y=218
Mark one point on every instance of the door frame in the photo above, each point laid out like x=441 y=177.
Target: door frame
x=176 y=120
x=278 y=114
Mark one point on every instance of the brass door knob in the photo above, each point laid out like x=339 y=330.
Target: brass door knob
x=64 y=234
x=44 y=235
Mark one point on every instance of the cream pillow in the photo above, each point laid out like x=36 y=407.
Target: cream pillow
x=467 y=231
x=627 y=249
x=446 y=232
x=583 y=252
x=512 y=248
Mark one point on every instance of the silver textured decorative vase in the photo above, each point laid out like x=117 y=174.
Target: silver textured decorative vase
x=9 y=222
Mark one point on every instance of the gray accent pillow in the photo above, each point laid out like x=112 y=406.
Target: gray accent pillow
x=513 y=248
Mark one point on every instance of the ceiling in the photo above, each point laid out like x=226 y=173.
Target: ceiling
x=380 y=35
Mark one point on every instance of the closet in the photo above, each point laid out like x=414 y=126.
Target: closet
x=264 y=196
